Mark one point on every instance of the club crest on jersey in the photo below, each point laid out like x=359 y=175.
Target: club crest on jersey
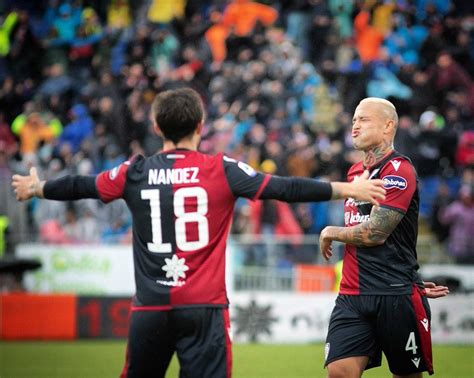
x=175 y=268
x=393 y=181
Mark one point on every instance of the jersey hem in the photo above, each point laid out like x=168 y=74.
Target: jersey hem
x=175 y=307
x=404 y=292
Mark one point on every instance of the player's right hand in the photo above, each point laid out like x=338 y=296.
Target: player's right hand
x=325 y=244
x=368 y=190
x=26 y=187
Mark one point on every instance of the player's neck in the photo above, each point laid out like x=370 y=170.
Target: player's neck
x=187 y=144
x=375 y=154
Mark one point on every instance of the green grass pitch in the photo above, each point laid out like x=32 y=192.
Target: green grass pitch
x=103 y=359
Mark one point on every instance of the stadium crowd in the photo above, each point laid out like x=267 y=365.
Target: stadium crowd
x=280 y=80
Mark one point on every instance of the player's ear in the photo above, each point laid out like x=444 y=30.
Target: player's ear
x=157 y=129
x=200 y=127
x=389 y=126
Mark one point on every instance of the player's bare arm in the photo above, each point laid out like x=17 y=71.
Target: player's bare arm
x=367 y=234
x=27 y=187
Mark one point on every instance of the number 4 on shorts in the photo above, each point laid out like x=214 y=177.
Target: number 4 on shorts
x=411 y=343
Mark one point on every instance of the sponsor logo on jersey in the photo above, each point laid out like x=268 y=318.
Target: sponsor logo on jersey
x=175 y=268
x=327 y=347
x=394 y=181
x=173 y=176
x=416 y=361
x=396 y=164
x=425 y=324
x=351 y=201
x=247 y=169
x=351 y=218
x=114 y=173
x=230 y=160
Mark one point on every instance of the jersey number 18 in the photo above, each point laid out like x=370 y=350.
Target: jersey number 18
x=182 y=217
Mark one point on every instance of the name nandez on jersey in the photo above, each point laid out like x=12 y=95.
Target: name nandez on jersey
x=171 y=176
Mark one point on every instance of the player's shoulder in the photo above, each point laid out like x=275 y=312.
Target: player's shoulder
x=399 y=164
x=356 y=169
x=233 y=165
x=398 y=173
x=135 y=165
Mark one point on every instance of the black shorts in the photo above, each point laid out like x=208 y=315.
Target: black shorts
x=200 y=336
x=366 y=325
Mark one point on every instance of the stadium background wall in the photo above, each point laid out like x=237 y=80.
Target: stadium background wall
x=256 y=317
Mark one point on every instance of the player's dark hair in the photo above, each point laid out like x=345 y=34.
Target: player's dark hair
x=177 y=113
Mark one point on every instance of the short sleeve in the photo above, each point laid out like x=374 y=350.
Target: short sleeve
x=243 y=180
x=110 y=184
x=399 y=180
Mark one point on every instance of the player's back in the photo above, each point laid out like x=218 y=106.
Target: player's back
x=182 y=207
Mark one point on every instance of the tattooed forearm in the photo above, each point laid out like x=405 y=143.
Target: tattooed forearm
x=371 y=233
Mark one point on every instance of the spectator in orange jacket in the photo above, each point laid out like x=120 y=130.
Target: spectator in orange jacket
x=240 y=18
x=33 y=133
x=368 y=38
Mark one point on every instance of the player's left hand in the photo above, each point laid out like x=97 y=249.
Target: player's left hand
x=434 y=291
x=325 y=244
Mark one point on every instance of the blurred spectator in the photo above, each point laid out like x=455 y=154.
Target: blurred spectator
x=118 y=15
x=88 y=227
x=441 y=202
x=57 y=82
x=32 y=133
x=162 y=12
x=65 y=23
x=368 y=38
x=71 y=226
x=80 y=127
x=8 y=143
x=342 y=12
x=460 y=217
x=465 y=150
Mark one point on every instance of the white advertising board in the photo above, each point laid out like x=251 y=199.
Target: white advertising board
x=303 y=318
x=280 y=317
x=81 y=269
x=268 y=317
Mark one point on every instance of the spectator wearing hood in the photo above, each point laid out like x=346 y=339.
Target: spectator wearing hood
x=80 y=128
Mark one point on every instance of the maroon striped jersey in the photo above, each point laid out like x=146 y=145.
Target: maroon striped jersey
x=390 y=268
x=182 y=205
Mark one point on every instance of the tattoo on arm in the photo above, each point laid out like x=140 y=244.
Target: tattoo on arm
x=373 y=232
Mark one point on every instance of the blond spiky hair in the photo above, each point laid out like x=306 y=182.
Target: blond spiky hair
x=387 y=107
x=379 y=101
